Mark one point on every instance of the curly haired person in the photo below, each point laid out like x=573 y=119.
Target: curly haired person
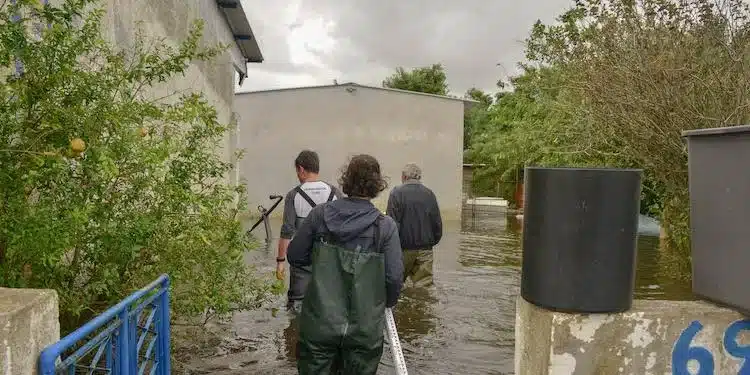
x=357 y=271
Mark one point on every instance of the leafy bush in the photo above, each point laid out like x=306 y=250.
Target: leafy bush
x=102 y=186
x=614 y=83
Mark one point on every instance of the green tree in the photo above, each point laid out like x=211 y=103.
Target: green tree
x=650 y=69
x=524 y=128
x=614 y=83
x=484 y=99
x=477 y=117
x=428 y=79
x=103 y=186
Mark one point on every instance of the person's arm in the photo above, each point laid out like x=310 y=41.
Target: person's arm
x=288 y=225
x=436 y=220
x=394 y=266
x=392 y=207
x=300 y=248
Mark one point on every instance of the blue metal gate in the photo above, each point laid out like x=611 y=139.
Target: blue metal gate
x=130 y=338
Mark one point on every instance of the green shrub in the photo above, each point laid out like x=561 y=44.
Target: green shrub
x=102 y=186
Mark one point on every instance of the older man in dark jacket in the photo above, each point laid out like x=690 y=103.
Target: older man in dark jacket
x=415 y=209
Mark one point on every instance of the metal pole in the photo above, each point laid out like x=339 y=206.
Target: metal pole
x=398 y=355
x=267 y=212
x=267 y=225
x=123 y=343
x=165 y=359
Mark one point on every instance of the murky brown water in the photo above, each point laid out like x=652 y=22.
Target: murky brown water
x=463 y=325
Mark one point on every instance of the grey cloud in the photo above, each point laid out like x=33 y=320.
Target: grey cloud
x=269 y=27
x=478 y=41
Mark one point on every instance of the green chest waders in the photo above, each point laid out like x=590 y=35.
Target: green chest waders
x=343 y=313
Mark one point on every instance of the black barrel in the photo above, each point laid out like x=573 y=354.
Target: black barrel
x=580 y=233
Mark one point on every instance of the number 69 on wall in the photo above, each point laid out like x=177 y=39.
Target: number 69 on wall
x=683 y=352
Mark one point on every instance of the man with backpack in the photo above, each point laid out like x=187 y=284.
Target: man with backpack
x=298 y=204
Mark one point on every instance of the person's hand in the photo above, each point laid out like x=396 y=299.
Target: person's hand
x=280 y=270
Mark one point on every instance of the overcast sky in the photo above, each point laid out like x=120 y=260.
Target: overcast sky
x=312 y=42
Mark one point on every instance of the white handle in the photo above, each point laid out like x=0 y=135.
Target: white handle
x=398 y=355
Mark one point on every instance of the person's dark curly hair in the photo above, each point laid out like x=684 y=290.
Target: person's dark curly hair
x=362 y=178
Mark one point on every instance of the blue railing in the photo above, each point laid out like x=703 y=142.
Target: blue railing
x=130 y=338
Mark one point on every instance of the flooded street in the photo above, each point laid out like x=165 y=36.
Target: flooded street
x=464 y=324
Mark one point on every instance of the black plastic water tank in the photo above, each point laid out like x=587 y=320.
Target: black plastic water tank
x=579 y=238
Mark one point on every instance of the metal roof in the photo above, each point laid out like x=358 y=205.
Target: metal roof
x=353 y=84
x=241 y=30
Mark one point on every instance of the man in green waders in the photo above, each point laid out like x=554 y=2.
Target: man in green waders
x=415 y=209
x=357 y=272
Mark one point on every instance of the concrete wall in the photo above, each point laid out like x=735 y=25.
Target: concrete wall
x=339 y=121
x=172 y=19
x=28 y=323
x=655 y=337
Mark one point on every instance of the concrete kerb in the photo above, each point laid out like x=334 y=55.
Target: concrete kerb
x=654 y=337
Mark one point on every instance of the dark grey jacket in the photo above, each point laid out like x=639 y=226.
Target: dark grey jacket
x=350 y=221
x=415 y=209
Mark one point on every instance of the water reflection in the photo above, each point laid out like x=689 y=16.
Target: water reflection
x=291 y=332
x=416 y=315
x=464 y=324
x=658 y=276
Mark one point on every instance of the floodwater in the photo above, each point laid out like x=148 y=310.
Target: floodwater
x=464 y=324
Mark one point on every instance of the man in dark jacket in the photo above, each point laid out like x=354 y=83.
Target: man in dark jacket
x=357 y=273
x=415 y=209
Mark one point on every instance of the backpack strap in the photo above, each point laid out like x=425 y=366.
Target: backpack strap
x=376 y=233
x=304 y=195
x=332 y=195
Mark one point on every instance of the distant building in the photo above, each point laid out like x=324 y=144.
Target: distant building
x=340 y=120
x=468 y=179
x=224 y=22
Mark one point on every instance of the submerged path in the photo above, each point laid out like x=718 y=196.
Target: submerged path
x=464 y=324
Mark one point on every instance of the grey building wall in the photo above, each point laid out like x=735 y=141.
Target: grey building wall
x=339 y=121
x=171 y=20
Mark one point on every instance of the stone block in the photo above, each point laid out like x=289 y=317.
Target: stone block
x=29 y=322
x=654 y=337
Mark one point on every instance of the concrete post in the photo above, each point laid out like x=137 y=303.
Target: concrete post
x=28 y=323
x=653 y=338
